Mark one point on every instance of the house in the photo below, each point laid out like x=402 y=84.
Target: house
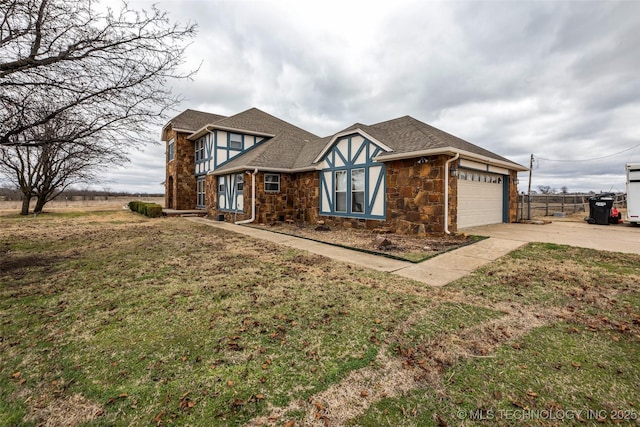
x=400 y=175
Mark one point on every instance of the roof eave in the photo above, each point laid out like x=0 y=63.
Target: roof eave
x=165 y=131
x=208 y=128
x=242 y=168
x=450 y=151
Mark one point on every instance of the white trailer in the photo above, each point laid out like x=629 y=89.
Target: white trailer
x=633 y=192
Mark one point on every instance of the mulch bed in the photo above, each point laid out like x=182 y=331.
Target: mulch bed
x=409 y=248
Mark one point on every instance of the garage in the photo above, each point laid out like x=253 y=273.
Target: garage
x=480 y=198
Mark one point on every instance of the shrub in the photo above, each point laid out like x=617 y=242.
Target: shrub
x=152 y=210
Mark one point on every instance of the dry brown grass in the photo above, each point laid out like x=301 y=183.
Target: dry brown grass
x=272 y=319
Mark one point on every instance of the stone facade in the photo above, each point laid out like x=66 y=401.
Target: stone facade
x=415 y=195
x=414 y=199
x=307 y=195
x=180 y=182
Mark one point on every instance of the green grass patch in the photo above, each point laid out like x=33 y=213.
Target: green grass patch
x=559 y=374
x=177 y=322
x=447 y=317
x=116 y=319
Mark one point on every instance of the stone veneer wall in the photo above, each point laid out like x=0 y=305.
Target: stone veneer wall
x=270 y=206
x=273 y=206
x=211 y=195
x=307 y=196
x=414 y=199
x=297 y=200
x=181 y=168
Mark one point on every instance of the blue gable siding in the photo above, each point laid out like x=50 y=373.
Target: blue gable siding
x=348 y=156
x=218 y=150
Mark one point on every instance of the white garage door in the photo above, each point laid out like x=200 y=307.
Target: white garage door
x=479 y=198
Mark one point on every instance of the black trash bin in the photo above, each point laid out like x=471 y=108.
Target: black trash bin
x=600 y=208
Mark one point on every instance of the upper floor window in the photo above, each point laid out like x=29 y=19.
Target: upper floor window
x=170 y=150
x=199 y=149
x=272 y=182
x=235 y=141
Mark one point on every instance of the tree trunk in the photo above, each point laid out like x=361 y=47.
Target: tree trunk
x=25 y=205
x=40 y=202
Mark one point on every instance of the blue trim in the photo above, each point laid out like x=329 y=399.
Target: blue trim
x=362 y=147
x=350 y=164
x=235 y=152
x=327 y=192
x=331 y=163
x=505 y=198
x=209 y=146
x=381 y=179
x=230 y=193
x=345 y=161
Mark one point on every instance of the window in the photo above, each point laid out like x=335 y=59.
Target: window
x=200 y=192
x=239 y=182
x=235 y=141
x=272 y=182
x=170 y=149
x=357 y=190
x=462 y=175
x=199 y=150
x=341 y=191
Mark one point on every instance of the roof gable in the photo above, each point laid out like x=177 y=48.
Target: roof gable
x=190 y=121
x=355 y=129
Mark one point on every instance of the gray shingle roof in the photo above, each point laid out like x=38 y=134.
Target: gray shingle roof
x=295 y=148
x=280 y=152
x=406 y=134
x=258 y=121
x=192 y=120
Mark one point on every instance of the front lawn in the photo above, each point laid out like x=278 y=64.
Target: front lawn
x=117 y=319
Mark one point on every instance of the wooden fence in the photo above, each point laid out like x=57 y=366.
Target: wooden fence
x=538 y=205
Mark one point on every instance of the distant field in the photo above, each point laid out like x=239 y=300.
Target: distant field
x=109 y=318
x=78 y=203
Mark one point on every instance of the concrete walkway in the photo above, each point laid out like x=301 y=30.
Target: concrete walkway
x=436 y=271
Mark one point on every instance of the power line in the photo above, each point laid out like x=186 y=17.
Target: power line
x=589 y=160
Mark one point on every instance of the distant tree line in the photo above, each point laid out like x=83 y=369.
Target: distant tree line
x=14 y=194
x=547 y=189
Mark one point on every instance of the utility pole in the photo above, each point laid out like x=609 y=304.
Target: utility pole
x=529 y=189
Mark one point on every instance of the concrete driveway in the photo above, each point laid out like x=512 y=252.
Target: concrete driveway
x=614 y=237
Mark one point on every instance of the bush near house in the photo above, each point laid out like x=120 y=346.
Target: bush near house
x=152 y=210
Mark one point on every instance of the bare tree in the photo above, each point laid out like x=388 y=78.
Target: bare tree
x=545 y=189
x=564 y=189
x=110 y=68
x=80 y=87
x=45 y=170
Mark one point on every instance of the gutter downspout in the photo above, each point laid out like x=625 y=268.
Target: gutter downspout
x=446 y=191
x=253 y=200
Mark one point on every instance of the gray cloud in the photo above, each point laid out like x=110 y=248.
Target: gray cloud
x=556 y=79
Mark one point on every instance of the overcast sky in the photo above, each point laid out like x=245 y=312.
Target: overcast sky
x=559 y=80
